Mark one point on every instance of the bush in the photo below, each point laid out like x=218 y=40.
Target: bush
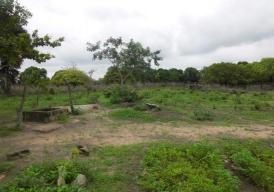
x=190 y=168
x=202 y=115
x=118 y=95
x=43 y=177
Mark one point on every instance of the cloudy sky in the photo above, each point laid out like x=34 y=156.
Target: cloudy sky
x=189 y=32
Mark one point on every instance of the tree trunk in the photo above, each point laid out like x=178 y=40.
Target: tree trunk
x=5 y=85
x=37 y=98
x=70 y=99
x=20 y=108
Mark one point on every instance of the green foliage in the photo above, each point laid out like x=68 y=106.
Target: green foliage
x=34 y=76
x=242 y=73
x=43 y=177
x=202 y=115
x=71 y=76
x=256 y=170
x=17 y=44
x=191 y=168
x=128 y=58
x=191 y=75
x=118 y=95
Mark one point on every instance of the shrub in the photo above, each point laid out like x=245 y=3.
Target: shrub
x=118 y=95
x=43 y=177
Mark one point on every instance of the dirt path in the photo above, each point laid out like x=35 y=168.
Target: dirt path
x=95 y=128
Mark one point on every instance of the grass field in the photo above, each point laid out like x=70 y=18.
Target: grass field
x=217 y=163
x=179 y=104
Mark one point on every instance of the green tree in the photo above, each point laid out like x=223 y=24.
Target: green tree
x=128 y=58
x=191 y=75
x=70 y=77
x=17 y=44
x=32 y=76
x=176 y=75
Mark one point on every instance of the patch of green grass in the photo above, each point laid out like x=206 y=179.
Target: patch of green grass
x=254 y=159
x=190 y=168
x=133 y=115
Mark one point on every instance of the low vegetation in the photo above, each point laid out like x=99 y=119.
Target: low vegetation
x=164 y=166
x=177 y=104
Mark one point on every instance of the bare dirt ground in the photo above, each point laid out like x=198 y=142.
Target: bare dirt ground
x=95 y=128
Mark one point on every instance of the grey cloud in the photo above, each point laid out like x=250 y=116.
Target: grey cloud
x=189 y=33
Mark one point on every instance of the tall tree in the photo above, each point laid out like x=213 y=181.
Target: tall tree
x=128 y=58
x=17 y=44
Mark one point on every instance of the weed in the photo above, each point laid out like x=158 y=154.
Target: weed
x=43 y=177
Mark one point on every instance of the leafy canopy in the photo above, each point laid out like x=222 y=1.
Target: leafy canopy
x=34 y=76
x=128 y=58
x=71 y=76
x=17 y=44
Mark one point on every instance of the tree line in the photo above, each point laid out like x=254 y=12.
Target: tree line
x=224 y=73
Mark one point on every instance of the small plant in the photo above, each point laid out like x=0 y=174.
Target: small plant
x=118 y=95
x=202 y=115
x=43 y=177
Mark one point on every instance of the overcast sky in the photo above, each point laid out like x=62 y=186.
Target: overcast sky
x=189 y=32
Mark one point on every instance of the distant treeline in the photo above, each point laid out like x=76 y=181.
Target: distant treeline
x=233 y=74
